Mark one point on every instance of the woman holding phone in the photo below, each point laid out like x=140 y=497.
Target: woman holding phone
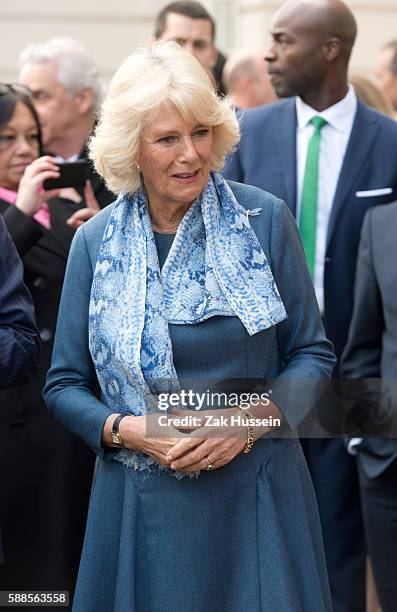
x=45 y=474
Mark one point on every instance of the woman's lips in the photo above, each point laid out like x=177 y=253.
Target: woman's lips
x=186 y=177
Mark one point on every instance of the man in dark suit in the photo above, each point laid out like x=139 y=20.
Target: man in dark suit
x=371 y=354
x=19 y=339
x=330 y=158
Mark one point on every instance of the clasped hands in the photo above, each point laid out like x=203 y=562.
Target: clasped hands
x=188 y=449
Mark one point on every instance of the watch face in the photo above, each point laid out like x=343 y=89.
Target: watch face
x=116 y=438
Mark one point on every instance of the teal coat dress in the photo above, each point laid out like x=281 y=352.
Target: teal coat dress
x=241 y=538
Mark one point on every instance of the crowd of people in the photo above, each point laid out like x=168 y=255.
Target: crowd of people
x=234 y=230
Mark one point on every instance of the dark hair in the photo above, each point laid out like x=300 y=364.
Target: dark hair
x=10 y=94
x=393 y=64
x=188 y=8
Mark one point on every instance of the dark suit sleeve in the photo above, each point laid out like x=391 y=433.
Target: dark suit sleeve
x=19 y=340
x=362 y=356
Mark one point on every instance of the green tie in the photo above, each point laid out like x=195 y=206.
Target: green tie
x=308 y=216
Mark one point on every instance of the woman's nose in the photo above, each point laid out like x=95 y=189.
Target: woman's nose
x=23 y=145
x=188 y=150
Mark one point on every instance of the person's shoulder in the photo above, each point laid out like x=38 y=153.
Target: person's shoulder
x=383 y=216
x=89 y=235
x=386 y=123
x=251 y=197
x=260 y=114
x=96 y=226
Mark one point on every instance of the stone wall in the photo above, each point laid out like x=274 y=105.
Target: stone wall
x=111 y=30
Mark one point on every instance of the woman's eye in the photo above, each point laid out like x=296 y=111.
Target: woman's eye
x=202 y=132
x=33 y=138
x=167 y=139
x=7 y=139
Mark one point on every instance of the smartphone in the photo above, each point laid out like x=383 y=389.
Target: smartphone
x=72 y=174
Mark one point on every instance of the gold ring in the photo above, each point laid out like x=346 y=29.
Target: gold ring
x=210 y=465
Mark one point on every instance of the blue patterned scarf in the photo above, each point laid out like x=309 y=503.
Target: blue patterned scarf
x=215 y=266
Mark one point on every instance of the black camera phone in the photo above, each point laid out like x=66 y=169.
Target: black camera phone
x=72 y=174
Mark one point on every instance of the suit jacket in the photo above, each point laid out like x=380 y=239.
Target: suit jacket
x=19 y=340
x=266 y=157
x=52 y=470
x=371 y=351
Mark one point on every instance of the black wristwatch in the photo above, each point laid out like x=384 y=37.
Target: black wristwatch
x=116 y=437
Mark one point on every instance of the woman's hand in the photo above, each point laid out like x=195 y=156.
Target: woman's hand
x=210 y=443
x=92 y=208
x=215 y=439
x=144 y=434
x=31 y=195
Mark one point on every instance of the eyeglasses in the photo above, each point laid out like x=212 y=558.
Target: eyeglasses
x=16 y=88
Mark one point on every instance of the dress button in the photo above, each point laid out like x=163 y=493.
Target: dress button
x=45 y=334
x=39 y=283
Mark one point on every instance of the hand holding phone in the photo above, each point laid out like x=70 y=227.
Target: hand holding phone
x=31 y=195
x=71 y=174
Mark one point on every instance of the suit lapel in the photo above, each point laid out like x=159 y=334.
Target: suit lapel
x=286 y=149
x=362 y=136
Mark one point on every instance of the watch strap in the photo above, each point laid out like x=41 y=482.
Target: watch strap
x=116 y=436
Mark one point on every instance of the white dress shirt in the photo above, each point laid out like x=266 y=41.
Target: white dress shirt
x=335 y=136
x=63 y=160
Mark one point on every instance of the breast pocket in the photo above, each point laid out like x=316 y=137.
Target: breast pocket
x=378 y=195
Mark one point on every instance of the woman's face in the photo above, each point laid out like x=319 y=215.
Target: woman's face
x=175 y=159
x=19 y=146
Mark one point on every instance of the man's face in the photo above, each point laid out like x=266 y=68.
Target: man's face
x=386 y=80
x=56 y=107
x=195 y=35
x=295 y=59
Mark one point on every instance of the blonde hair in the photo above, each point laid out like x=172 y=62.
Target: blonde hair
x=149 y=81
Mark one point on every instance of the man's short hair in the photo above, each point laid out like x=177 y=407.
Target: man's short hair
x=187 y=8
x=76 y=69
x=393 y=64
x=240 y=63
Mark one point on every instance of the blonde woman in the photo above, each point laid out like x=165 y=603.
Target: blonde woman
x=187 y=276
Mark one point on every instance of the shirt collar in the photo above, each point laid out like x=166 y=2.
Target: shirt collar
x=338 y=115
x=63 y=160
